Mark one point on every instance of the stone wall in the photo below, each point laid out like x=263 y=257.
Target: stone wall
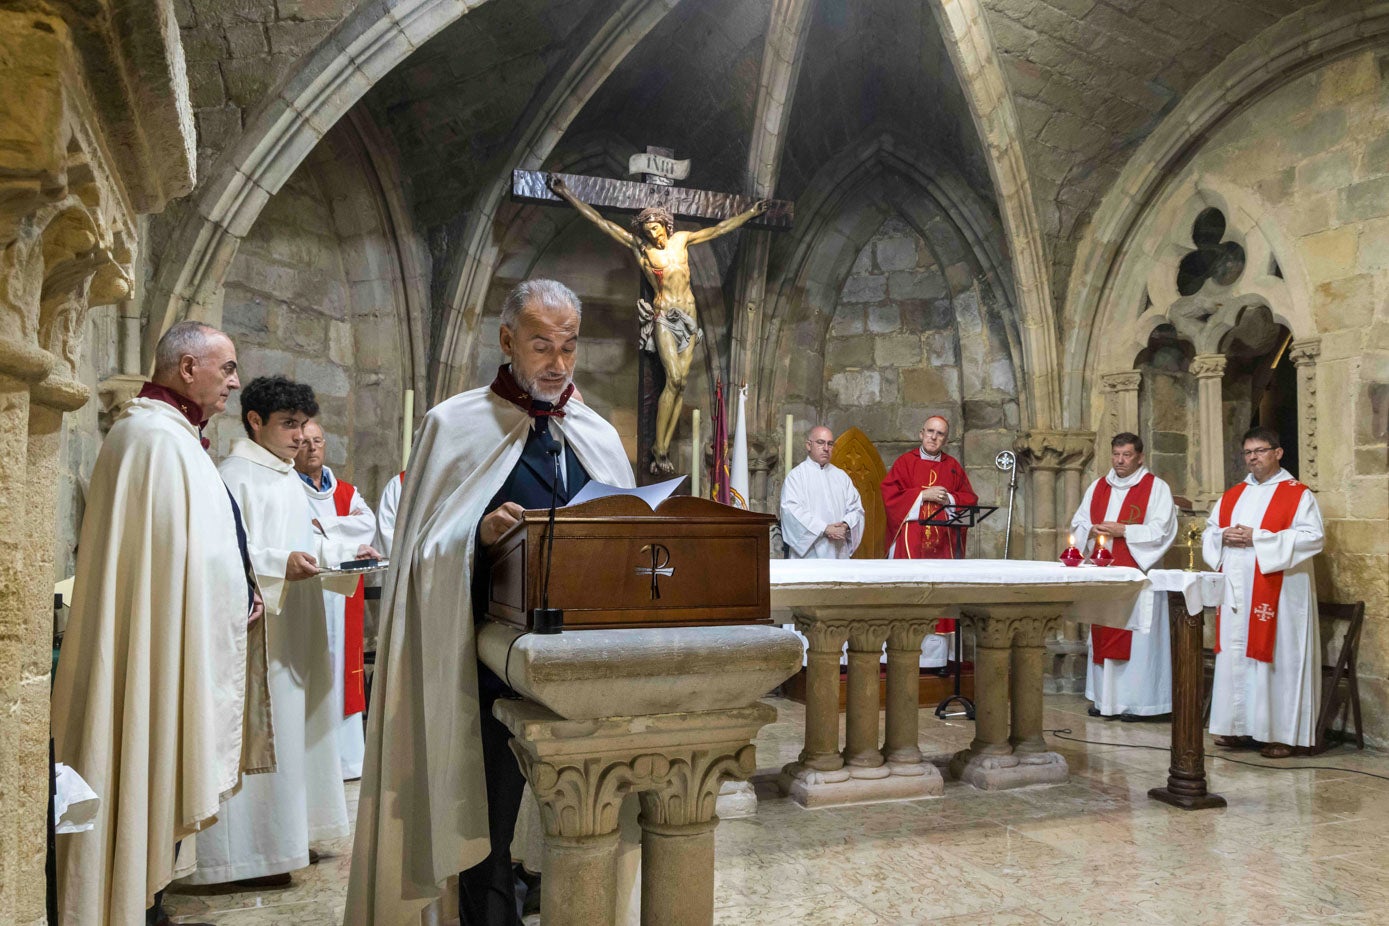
x=312 y=295
x=1308 y=165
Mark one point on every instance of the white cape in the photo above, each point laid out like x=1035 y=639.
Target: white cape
x=422 y=813
x=812 y=498
x=155 y=703
x=386 y=511
x=1141 y=684
x=1273 y=702
x=352 y=530
x=265 y=829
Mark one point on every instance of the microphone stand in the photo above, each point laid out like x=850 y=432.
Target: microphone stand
x=546 y=619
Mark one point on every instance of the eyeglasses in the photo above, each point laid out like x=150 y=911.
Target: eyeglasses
x=1257 y=452
x=313 y=442
x=823 y=443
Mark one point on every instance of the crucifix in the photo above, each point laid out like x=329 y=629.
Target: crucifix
x=666 y=307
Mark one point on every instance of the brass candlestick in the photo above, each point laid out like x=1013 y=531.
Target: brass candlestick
x=1194 y=530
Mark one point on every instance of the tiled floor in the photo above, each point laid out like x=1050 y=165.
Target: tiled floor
x=1293 y=847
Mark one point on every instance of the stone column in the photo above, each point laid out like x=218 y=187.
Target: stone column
x=763 y=455
x=1028 y=662
x=902 y=737
x=992 y=668
x=821 y=750
x=1047 y=453
x=861 y=714
x=582 y=771
x=1304 y=356
x=1120 y=391
x=1209 y=369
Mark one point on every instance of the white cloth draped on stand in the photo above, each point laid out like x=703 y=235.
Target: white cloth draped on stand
x=1274 y=702
x=1141 y=684
x=353 y=530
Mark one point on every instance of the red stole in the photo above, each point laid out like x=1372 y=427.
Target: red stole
x=905 y=537
x=1116 y=642
x=1263 y=604
x=354 y=695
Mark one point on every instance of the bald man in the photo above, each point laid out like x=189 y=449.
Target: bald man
x=821 y=512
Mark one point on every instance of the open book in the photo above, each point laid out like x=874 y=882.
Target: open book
x=653 y=495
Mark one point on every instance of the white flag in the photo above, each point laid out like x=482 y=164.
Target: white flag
x=738 y=468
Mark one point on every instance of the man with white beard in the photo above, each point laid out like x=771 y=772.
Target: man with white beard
x=341 y=515
x=263 y=832
x=441 y=789
x=1263 y=535
x=821 y=512
x=1132 y=511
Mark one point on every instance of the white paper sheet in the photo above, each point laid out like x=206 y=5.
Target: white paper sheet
x=653 y=494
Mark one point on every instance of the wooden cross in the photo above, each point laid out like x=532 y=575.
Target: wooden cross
x=659 y=168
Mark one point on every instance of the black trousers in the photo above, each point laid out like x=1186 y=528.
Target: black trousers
x=487 y=891
x=155 y=914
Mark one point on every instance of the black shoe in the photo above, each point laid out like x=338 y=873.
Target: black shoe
x=1093 y=711
x=267 y=881
x=314 y=857
x=1126 y=717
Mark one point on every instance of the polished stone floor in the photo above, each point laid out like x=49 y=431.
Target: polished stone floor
x=1293 y=847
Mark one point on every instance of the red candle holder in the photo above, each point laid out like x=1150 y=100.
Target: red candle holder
x=1071 y=557
x=1102 y=556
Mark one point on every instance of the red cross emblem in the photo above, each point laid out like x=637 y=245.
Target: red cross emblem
x=1264 y=613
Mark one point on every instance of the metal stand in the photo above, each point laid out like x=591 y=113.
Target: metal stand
x=966 y=703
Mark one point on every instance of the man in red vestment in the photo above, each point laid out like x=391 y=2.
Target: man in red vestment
x=922 y=482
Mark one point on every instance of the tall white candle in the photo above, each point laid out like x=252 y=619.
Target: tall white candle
x=407 y=429
x=695 y=455
x=786 y=458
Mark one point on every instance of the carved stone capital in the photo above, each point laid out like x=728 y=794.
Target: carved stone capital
x=582 y=797
x=1041 y=449
x=824 y=636
x=690 y=790
x=867 y=636
x=1208 y=366
x=907 y=634
x=1305 y=352
x=1127 y=381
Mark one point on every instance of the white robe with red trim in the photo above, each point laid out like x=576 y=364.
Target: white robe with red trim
x=1273 y=702
x=1141 y=684
x=352 y=530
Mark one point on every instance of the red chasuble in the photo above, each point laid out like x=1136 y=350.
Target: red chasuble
x=354 y=695
x=1116 y=642
x=1268 y=589
x=905 y=537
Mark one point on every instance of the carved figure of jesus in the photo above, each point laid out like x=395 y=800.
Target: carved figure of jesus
x=670 y=322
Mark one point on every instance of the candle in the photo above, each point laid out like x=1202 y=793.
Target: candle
x=694 y=453
x=408 y=429
x=786 y=459
x=1070 y=556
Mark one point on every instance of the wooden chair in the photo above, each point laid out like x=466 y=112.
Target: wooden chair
x=1340 y=682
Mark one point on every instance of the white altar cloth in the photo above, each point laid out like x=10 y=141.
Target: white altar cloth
x=1092 y=594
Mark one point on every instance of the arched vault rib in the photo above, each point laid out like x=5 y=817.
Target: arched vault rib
x=971 y=47
x=547 y=118
x=318 y=92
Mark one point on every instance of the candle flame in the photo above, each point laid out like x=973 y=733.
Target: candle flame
x=1071 y=541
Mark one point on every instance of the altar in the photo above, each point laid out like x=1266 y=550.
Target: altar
x=1011 y=606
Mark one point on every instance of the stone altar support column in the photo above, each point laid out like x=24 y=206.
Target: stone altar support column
x=821 y=750
x=1028 y=664
x=582 y=770
x=903 y=733
x=861 y=713
x=1304 y=356
x=1209 y=370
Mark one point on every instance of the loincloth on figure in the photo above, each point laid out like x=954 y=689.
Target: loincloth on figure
x=678 y=322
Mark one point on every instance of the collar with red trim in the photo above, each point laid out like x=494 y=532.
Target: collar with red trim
x=505 y=385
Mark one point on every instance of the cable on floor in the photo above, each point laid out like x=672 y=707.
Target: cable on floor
x=1063 y=732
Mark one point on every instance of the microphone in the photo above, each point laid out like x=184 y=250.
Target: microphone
x=545 y=619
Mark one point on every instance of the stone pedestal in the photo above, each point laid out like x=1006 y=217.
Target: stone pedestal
x=582 y=770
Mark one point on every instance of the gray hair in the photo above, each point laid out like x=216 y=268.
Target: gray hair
x=181 y=340
x=551 y=294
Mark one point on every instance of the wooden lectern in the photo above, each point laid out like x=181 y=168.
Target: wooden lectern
x=617 y=563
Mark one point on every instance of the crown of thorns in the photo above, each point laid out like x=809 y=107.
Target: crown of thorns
x=655 y=214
